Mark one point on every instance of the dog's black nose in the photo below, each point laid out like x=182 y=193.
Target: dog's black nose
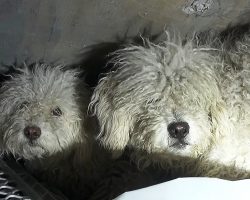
x=32 y=132
x=178 y=129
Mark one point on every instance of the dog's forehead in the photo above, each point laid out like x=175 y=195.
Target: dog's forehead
x=42 y=85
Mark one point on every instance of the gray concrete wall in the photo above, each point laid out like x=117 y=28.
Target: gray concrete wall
x=58 y=29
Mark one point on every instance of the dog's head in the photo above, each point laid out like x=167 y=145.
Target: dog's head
x=40 y=110
x=160 y=99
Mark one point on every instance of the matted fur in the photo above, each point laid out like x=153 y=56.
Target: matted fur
x=65 y=156
x=29 y=98
x=152 y=86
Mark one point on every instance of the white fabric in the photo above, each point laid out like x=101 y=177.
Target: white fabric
x=193 y=189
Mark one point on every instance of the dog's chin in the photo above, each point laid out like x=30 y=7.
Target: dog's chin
x=32 y=151
x=180 y=148
x=179 y=145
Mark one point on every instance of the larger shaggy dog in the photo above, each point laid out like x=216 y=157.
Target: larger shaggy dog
x=43 y=118
x=182 y=107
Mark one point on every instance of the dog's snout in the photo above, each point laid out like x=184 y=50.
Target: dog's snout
x=178 y=130
x=32 y=132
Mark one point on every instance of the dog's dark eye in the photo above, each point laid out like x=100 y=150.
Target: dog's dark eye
x=23 y=105
x=153 y=101
x=57 y=112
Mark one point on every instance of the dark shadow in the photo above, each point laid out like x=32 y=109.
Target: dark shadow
x=233 y=34
x=94 y=58
x=226 y=43
x=126 y=175
x=227 y=37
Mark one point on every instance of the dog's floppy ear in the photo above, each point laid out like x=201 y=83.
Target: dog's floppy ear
x=136 y=80
x=114 y=118
x=115 y=128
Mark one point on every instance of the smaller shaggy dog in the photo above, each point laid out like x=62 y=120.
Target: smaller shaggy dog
x=179 y=106
x=43 y=119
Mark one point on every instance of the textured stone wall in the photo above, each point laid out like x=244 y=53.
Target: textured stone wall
x=56 y=30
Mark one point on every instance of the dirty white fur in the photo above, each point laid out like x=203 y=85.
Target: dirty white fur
x=65 y=154
x=152 y=86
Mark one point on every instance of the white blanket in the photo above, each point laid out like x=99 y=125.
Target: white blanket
x=192 y=189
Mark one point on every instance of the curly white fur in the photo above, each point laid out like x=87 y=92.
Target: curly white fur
x=153 y=86
x=65 y=155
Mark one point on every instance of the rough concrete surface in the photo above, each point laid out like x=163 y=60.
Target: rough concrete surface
x=57 y=30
